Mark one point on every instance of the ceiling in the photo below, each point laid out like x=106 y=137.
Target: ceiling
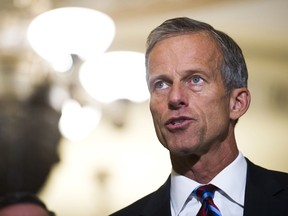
x=248 y=18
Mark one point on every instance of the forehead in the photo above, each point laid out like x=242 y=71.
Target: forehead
x=201 y=38
x=191 y=47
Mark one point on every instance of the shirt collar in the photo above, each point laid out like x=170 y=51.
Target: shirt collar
x=231 y=180
x=181 y=188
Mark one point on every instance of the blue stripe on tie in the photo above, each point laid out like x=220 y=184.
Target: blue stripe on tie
x=212 y=208
x=207 y=194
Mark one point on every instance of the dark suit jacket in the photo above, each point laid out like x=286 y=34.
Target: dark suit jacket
x=266 y=195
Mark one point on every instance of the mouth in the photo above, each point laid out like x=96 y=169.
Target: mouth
x=178 y=123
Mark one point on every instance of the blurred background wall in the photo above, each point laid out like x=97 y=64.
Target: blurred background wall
x=120 y=159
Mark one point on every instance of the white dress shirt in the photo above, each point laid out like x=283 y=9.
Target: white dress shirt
x=229 y=200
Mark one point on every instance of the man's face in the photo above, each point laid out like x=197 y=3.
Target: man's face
x=189 y=104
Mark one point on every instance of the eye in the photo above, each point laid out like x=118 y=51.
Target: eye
x=160 y=85
x=196 y=80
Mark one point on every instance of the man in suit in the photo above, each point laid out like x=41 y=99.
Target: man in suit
x=197 y=78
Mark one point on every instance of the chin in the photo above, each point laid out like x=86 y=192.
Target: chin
x=183 y=151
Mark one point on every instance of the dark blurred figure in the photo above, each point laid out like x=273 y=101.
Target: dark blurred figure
x=23 y=204
x=29 y=138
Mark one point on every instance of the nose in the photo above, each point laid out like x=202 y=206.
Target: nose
x=177 y=97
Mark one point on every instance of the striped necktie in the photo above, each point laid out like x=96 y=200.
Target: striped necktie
x=205 y=194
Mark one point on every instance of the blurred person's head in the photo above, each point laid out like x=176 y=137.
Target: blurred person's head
x=23 y=204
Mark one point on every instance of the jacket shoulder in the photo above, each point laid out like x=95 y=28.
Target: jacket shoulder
x=264 y=175
x=156 y=203
x=134 y=208
x=266 y=191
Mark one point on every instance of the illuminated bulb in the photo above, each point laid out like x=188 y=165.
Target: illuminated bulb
x=115 y=75
x=77 y=122
x=58 y=33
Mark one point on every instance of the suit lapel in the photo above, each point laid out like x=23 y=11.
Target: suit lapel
x=263 y=197
x=159 y=204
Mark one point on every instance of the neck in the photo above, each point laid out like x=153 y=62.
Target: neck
x=205 y=167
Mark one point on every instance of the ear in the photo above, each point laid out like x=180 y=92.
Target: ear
x=239 y=102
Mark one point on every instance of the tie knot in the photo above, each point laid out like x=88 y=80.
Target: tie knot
x=205 y=192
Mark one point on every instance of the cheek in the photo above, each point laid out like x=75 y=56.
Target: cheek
x=155 y=110
x=219 y=114
x=215 y=109
x=156 y=105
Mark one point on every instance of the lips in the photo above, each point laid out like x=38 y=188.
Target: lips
x=178 y=122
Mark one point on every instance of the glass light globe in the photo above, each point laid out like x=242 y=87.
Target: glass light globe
x=115 y=75
x=70 y=30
